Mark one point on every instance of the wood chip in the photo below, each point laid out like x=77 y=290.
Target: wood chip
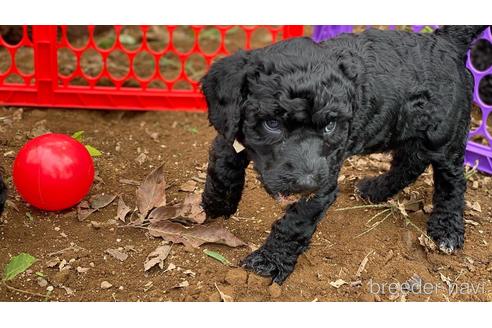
x=338 y=283
x=363 y=264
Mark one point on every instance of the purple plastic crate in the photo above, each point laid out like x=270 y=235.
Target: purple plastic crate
x=476 y=154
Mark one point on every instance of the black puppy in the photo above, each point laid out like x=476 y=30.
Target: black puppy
x=301 y=108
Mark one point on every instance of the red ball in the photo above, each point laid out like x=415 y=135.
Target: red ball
x=53 y=172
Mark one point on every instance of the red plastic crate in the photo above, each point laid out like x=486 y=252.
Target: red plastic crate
x=45 y=83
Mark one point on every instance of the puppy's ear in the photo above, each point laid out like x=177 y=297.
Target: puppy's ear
x=224 y=87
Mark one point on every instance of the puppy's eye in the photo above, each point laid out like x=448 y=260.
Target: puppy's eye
x=272 y=126
x=329 y=128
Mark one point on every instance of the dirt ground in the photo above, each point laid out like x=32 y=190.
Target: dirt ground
x=339 y=266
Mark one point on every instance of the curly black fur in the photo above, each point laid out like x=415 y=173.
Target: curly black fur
x=302 y=108
x=3 y=195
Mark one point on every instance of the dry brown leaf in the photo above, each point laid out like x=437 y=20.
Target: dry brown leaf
x=157 y=256
x=95 y=203
x=188 y=186
x=122 y=210
x=120 y=256
x=152 y=192
x=194 y=236
x=101 y=200
x=189 y=211
x=84 y=210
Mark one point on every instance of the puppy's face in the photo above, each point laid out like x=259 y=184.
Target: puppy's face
x=292 y=114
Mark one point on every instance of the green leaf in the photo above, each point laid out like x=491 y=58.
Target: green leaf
x=193 y=130
x=219 y=257
x=93 y=151
x=78 y=135
x=127 y=39
x=17 y=265
x=427 y=29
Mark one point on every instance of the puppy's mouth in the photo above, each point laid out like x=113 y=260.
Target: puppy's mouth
x=285 y=200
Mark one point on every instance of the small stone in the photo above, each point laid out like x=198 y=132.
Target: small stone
x=42 y=282
x=257 y=281
x=275 y=290
x=474 y=185
x=214 y=297
x=106 y=285
x=91 y=264
x=81 y=269
x=50 y=288
x=236 y=277
x=61 y=277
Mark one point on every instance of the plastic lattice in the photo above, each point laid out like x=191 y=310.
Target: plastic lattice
x=478 y=149
x=480 y=140
x=119 y=67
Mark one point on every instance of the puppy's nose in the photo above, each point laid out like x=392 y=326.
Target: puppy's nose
x=307 y=183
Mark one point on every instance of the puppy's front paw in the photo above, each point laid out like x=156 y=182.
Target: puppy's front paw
x=267 y=264
x=447 y=231
x=372 y=190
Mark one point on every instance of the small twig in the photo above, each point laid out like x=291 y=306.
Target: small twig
x=75 y=248
x=363 y=206
x=25 y=291
x=375 y=216
x=374 y=226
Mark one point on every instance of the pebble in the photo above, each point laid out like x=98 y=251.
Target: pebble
x=214 y=297
x=275 y=290
x=61 y=277
x=50 y=288
x=236 y=276
x=106 y=285
x=42 y=282
x=257 y=281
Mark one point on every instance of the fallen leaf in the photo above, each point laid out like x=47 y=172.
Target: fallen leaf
x=194 y=236
x=101 y=200
x=152 y=192
x=157 y=256
x=84 y=210
x=189 y=211
x=188 y=186
x=219 y=257
x=122 y=210
x=120 y=256
x=17 y=265
x=338 y=283
x=95 y=203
